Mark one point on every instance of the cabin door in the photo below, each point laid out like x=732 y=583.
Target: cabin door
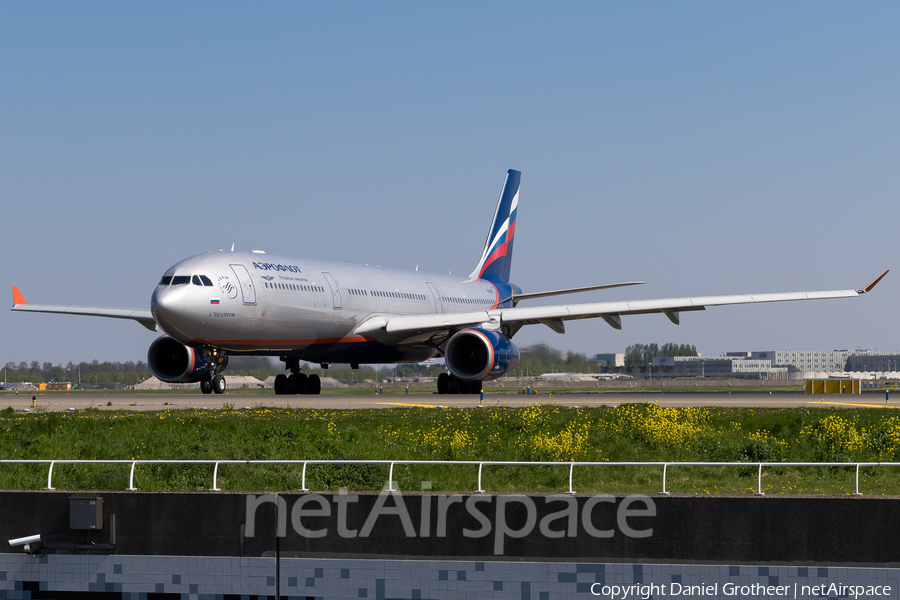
x=248 y=292
x=436 y=296
x=335 y=290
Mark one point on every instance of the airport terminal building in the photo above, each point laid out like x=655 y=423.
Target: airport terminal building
x=783 y=364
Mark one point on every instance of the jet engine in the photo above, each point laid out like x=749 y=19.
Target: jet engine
x=477 y=354
x=173 y=362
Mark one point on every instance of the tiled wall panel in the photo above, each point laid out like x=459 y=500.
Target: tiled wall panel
x=218 y=578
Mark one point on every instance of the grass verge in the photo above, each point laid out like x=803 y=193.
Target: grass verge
x=627 y=433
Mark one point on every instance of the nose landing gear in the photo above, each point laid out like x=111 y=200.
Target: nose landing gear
x=214 y=381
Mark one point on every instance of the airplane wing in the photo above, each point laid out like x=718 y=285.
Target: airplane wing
x=144 y=317
x=611 y=312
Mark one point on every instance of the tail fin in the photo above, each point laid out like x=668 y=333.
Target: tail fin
x=497 y=255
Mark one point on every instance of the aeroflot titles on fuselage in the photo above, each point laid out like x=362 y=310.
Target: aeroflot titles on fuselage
x=271 y=267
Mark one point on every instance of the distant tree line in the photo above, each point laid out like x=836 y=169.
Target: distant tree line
x=96 y=374
x=91 y=374
x=534 y=360
x=538 y=359
x=641 y=355
x=263 y=367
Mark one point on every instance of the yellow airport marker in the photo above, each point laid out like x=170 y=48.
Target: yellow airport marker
x=853 y=404
x=406 y=404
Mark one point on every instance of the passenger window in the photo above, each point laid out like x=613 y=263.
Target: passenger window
x=166 y=280
x=181 y=279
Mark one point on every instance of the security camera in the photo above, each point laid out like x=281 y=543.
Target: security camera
x=31 y=543
x=24 y=541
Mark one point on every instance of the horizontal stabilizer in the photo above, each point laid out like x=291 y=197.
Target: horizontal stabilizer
x=606 y=286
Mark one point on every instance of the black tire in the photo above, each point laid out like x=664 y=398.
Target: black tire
x=218 y=384
x=301 y=383
x=475 y=387
x=453 y=385
x=206 y=385
x=280 y=384
x=443 y=383
x=313 y=385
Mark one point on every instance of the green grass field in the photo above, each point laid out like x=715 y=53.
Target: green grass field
x=631 y=432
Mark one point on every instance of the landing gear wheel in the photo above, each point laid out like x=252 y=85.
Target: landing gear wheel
x=281 y=382
x=453 y=385
x=206 y=386
x=218 y=384
x=443 y=383
x=301 y=382
x=313 y=384
x=291 y=386
x=475 y=387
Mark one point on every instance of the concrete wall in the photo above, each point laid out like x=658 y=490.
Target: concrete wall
x=224 y=546
x=484 y=527
x=113 y=577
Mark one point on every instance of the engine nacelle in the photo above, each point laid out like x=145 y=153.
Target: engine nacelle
x=173 y=362
x=477 y=354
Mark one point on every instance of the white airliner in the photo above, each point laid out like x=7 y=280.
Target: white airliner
x=220 y=304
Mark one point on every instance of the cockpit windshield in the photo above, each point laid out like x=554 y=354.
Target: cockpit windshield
x=200 y=280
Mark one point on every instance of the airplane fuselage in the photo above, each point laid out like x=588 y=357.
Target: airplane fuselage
x=254 y=303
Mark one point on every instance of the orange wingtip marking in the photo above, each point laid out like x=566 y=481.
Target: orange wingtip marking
x=18 y=298
x=869 y=287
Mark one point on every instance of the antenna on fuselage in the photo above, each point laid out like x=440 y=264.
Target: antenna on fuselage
x=232 y=246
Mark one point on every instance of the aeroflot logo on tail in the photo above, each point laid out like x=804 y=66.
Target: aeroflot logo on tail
x=272 y=267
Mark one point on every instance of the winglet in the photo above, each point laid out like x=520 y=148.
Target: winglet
x=18 y=298
x=868 y=288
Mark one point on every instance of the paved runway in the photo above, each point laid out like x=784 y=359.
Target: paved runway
x=136 y=401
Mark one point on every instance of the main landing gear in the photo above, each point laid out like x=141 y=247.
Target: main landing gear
x=296 y=382
x=451 y=384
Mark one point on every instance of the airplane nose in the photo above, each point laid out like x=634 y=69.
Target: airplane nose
x=167 y=307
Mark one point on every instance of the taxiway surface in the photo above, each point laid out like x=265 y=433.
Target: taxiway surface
x=132 y=401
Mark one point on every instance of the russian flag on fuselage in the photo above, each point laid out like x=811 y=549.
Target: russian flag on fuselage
x=497 y=255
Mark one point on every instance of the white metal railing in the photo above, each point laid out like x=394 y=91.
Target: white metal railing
x=481 y=465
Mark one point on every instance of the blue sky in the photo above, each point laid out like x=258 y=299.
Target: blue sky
x=707 y=148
